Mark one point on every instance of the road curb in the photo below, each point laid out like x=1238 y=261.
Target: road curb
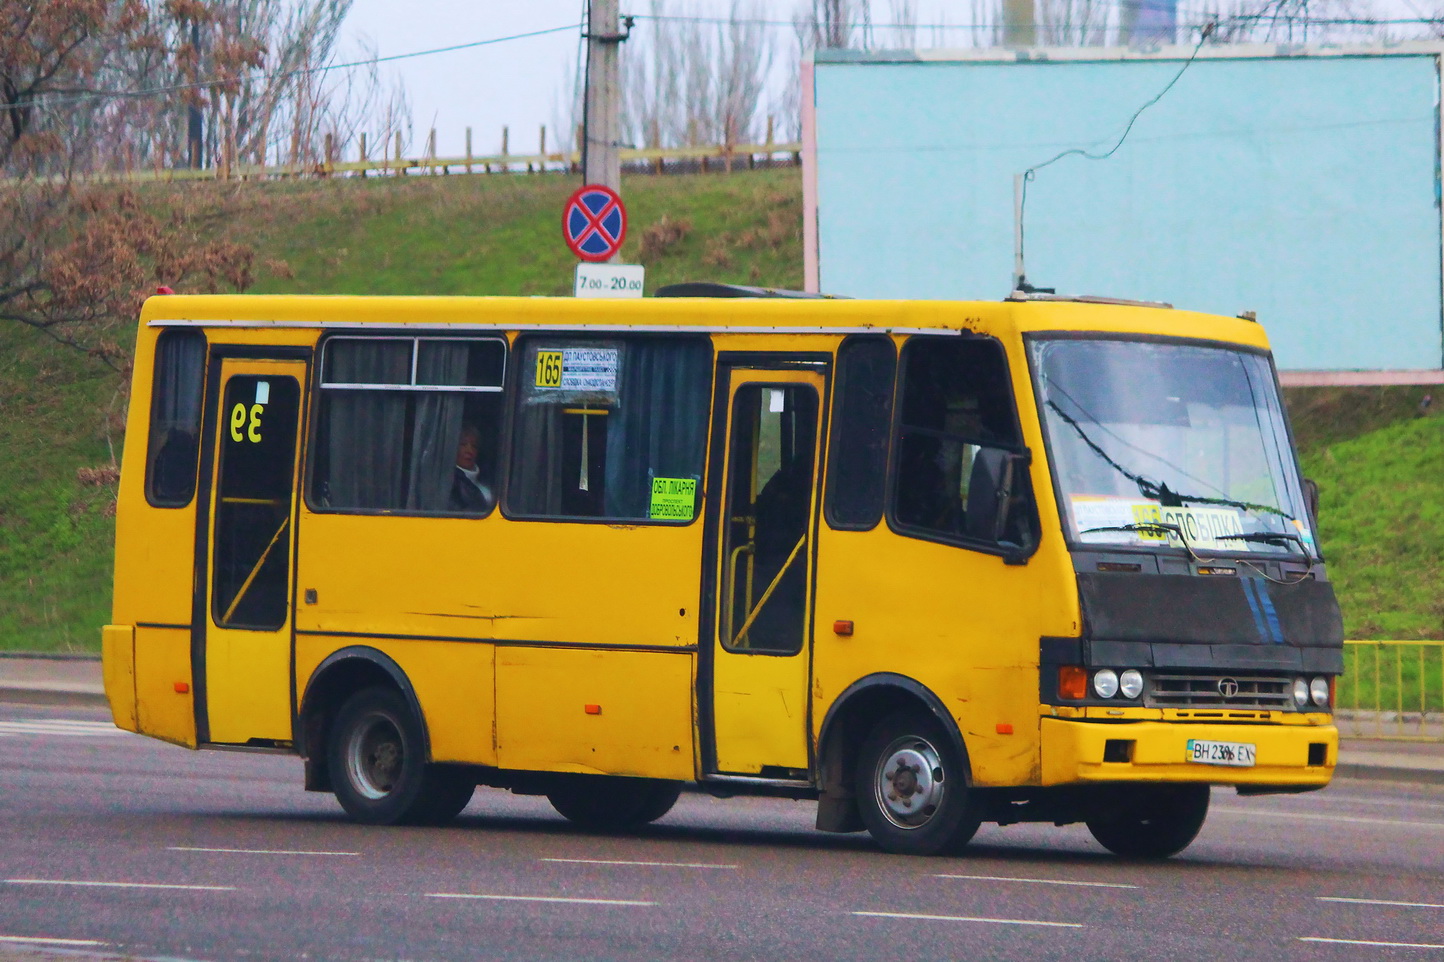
x=25 y=695
x=1387 y=773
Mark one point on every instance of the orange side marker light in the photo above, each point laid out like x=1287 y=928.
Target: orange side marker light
x=594 y=709
x=182 y=687
x=1004 y=728
x=842 y=628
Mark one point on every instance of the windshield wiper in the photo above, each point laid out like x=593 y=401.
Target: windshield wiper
x=1266 y=537
x=1140 y=526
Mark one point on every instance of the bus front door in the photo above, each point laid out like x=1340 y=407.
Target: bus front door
x=246 y=655
x=764 y=572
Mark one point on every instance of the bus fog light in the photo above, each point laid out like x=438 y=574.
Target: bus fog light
x=1319 y=691
x=1130 y=683
x=1301 y=692
x=1105 y=683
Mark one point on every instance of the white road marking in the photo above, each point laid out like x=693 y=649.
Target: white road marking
x=607 y=861
x=1351 y=819
x=1362 y=800
x=968 y=918
x=38 y=940
x=251 y=851
x=59 y=726
x=119 y=885
x=1409 y=905
x=1040 y=881
x=1391 y=945
x=534 y=898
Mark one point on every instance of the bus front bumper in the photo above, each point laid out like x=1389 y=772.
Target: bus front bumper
x=1074 y=752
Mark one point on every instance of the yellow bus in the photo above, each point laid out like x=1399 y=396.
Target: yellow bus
x=929 y=563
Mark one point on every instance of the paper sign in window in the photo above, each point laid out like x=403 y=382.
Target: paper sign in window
x=673 y=499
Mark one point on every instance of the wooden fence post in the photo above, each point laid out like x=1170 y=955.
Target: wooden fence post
x=581 y=136
x=363 y=154
x=505 y=149
x=400 y=165
x=468 y=150
x=431 y=151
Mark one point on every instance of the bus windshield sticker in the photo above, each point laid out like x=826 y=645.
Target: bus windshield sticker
x=591 y=369
x=1113 y=521
x=673 y=499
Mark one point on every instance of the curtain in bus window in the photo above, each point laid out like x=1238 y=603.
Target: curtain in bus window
x=436 y=424
x=590 y=453
x=659 y=427
x=366 y=430
x=176 y=416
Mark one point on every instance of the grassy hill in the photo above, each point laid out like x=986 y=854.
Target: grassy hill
x=1378 y=463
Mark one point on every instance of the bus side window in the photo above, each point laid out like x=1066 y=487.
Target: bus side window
x=955 y=425
x=395 y=415
x=175 y=418
x=610 y=428
x=862 y=415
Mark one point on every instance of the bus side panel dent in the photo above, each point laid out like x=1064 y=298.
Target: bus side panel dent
x=596 y=712
x=117 y=663
x=164 y=688
x=1073 y=753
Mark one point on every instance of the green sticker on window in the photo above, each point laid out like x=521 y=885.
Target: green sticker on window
x=673 y=499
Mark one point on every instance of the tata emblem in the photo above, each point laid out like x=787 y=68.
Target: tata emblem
x=1227 y=687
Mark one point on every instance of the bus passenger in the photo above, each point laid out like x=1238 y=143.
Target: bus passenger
x=469 y=493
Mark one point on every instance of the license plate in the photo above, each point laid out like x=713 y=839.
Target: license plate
x=1237 y=754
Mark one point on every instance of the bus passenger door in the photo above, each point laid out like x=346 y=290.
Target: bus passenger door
x=248 y=578
x=767 y=531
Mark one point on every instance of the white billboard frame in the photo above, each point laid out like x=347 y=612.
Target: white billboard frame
x=812 y=255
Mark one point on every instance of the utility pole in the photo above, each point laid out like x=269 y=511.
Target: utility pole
x=602 y=117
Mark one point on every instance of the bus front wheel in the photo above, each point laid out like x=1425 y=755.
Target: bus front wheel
x=612 y=803
x=1150 y=822
x=911 y=787
x=379 y=772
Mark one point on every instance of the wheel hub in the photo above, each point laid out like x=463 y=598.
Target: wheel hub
x=909 y=782
x=374 y=757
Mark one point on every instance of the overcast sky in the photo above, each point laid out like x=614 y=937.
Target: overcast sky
x=522 y=84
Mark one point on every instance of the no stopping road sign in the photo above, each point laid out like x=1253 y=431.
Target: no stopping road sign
x=594 y=223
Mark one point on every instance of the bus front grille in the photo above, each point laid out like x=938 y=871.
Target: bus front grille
x=1219 y=691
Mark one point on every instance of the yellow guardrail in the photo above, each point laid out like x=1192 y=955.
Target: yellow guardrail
x=713 y=157
x=1392 y=689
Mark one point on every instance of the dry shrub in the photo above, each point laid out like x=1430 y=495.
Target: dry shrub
x=103 y=476
x=665 y=234
x=781 y=229
x=718 y=253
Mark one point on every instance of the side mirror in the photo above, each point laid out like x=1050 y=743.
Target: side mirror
x=993 y=495
x=1311 y=501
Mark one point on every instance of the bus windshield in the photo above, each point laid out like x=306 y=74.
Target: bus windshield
x=1177 y=445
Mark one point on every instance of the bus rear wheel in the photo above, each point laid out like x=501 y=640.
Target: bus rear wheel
x=911 y=787
x=612 y=803
x=379 y=772
x=1150 y=822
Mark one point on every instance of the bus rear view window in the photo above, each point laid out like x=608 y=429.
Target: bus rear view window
x=611 y=428
x=175 y=418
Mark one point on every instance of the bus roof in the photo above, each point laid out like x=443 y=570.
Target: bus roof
x=691 y=315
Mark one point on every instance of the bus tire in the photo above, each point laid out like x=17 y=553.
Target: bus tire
x=1151 y=822
x=612 y=803
x=379 y=772
x=911 y=787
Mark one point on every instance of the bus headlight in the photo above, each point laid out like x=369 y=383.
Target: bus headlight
x=1105 y=683
x=1130 y=683
x=1301 y=693
x=1319 y=691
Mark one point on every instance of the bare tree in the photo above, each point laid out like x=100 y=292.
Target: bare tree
x=76 y=259
x=686 y=81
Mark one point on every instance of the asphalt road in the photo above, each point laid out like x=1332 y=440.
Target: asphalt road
x=122 y=846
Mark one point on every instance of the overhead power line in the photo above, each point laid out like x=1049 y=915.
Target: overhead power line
x=45 y=101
